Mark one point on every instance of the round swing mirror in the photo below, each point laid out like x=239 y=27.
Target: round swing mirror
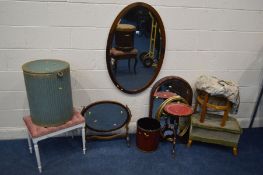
x=135 y=48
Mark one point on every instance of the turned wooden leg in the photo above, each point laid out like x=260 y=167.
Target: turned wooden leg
x=189 y=144
x=129 y=64
x=83 y=140
x=235 y=151
x=196 y=104
x=176 y=123
x=225 y=117
x=204 y=108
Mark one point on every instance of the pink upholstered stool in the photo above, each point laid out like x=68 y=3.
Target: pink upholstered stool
x=37 y=133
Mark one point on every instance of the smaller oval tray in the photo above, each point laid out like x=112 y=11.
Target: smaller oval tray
x=106 y=116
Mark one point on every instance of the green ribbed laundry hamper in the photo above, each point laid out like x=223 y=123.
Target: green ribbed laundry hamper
x=48 y=91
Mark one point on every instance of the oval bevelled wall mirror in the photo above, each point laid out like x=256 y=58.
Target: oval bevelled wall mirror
x=135 y=48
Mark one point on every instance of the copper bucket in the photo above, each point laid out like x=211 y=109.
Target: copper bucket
x=148 y=134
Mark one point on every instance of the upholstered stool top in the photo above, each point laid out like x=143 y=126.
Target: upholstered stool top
x=37 y=131
x=119 y=53
x=178 y=109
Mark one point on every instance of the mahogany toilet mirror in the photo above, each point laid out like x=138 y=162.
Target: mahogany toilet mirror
x=135 y=48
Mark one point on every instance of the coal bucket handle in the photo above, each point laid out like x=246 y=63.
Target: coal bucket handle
x=144 y=134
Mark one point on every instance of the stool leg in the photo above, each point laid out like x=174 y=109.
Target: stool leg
x=83 y=140
x=127 y=136
x=72 y=134
x=204 y=108
x=29 y=143
x=173 y=150
x=115 y=66
x=235 y=152
x=38 y=157
x=129 y=64
x=175 y=133
x=196 y=104
x=226 y=114
x=189 y=144
x=135 y=64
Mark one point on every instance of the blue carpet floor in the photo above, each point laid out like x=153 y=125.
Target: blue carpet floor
x=64 y=156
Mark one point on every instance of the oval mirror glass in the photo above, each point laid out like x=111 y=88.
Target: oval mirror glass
x=135 y=48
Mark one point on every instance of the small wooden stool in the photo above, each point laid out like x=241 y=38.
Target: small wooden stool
x=119 y=55
x=38 y=133
x=206 y=100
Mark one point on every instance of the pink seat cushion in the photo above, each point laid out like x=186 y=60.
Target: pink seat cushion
x=37 y=131
x=119 y=53
x=164 y=95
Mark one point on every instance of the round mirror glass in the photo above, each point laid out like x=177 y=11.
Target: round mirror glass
x=135 y=48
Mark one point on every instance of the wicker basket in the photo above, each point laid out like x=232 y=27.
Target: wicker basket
x=48 y=91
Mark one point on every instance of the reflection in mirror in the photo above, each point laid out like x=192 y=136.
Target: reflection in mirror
x=167 y=87
x=162 y=90
x=135 y=48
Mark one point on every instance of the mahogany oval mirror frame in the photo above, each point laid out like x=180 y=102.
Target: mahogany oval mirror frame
x=159 y=38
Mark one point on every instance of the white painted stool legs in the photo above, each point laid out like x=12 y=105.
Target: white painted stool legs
x=83 y=140
x=29 y=143
x=38 y=157
x=36 y=151
x=37 y=139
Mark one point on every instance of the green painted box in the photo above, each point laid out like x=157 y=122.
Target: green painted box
x=211 y=131
x=48 y=91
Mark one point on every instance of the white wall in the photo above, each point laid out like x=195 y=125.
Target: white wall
x=222 y=38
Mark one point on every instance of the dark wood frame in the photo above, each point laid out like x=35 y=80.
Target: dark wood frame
x=110 y=39
x=163 y=81
x=111 y=136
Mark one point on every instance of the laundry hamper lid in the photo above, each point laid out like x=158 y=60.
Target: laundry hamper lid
x=44 y=66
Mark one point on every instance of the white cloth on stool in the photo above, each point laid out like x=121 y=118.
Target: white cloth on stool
x=215 y=86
